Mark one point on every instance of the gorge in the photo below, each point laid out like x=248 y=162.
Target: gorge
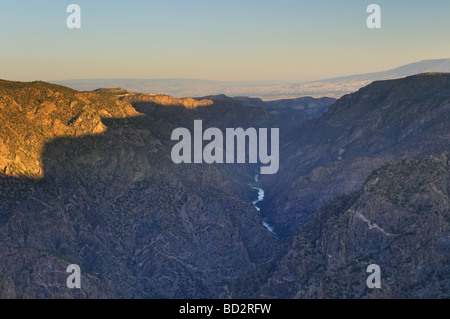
x=87 y=179
x=260 y=199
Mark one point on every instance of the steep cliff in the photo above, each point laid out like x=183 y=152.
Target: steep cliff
x=102 y=192
x=333 y=155
x=399 y=220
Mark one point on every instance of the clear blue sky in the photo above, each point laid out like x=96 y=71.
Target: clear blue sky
x=291 y=40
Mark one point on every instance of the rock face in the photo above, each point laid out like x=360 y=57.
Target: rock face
x=32 y=114
x=399 y=220
x=115 y=204
x=333 y=155
x=7 y=290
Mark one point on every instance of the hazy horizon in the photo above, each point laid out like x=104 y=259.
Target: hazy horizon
x=266 y=90
x=243 y=81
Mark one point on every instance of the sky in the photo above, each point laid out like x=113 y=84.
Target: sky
x=243 y=40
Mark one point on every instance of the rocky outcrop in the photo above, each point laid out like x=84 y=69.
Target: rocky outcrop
x=32 y=114
x=165 y=100
x=399 y=220
x=333 y=155
x=114 y=203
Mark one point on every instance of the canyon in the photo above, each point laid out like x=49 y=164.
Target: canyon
x=87 y=178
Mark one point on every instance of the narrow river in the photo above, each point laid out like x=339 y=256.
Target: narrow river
x=260 y=199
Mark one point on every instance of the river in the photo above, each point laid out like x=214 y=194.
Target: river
x=260 y=199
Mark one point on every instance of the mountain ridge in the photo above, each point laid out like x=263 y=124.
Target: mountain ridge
x=386 y=120
x=370 y=170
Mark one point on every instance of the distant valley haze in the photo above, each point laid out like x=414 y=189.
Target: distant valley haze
x=266 y=90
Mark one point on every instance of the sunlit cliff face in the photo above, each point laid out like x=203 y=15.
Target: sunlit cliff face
x=41 y=112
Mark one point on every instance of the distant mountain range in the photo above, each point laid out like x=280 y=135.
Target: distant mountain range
x=267 y=90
